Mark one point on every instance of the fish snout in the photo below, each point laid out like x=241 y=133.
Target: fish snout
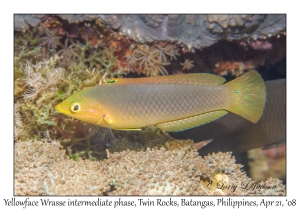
x=61 y=108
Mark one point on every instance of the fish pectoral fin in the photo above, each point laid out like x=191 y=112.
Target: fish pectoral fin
x=100 y=135
x=191 y=122
x=129 y=129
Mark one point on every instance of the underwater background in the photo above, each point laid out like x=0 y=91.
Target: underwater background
x=58 y=55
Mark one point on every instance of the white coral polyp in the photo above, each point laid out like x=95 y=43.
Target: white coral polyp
x=36 y=83
x=54 y=77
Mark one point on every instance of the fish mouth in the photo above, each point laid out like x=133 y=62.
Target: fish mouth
x=59 y=108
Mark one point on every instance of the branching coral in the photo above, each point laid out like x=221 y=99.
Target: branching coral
x=88 y=57
x=30 y=170
x=172 y=169
x=267 y=162
x=66 y=52
x=37 y=106
x=46 y=84
x=19 y=127
x=37 y=83
x=26 y=49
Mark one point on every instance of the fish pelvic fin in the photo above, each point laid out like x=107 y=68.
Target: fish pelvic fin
x=249 y=96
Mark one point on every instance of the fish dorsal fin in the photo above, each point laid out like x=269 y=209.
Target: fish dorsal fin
x=129 y=129
x=193 y=79
x=191 y=122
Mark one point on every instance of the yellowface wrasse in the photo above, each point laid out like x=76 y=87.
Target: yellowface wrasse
x=235 y=134
x=173 y=103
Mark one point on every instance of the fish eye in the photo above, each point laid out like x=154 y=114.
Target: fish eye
x=75 y=107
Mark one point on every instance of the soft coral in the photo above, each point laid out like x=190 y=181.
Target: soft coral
x=51 y=40
x=151 y=60
x=36 y=82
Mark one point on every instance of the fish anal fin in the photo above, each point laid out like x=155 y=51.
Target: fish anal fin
x=201 y=144
x=191 y=122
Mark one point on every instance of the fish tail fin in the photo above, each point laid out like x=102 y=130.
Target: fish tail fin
x=249 y=96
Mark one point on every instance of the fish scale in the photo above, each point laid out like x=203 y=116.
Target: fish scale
x=173 y=103
x=233 y=133
x=157 y=102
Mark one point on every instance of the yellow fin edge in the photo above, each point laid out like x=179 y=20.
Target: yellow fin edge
x=249 y=96
x=129 y=129
x=191 y=122
x=192 y=79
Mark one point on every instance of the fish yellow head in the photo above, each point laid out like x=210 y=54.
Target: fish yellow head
x=83 y=107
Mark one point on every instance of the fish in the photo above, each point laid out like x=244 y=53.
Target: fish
x=234 y=133
x=172 y=103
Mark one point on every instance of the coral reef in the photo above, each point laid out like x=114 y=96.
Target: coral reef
x=26 y=49
x=232 y=59
x=46 y=72
x=267 y=163
x=62 y=54
x=45 y=85
x=187 y=64
x=150 y=60
x=19 y=126
x=194 y=31
x=39 y=96
x=36 y=83
x=234 y=68
x=31 y=169
x=246 y=50
x=174 y=168
x=51 y=40
x=257 y=45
